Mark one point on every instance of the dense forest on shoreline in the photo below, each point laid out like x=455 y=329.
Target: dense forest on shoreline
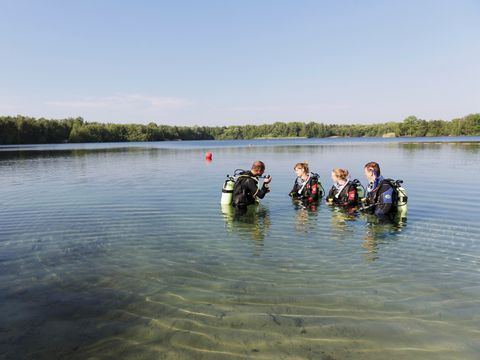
x=26 y=130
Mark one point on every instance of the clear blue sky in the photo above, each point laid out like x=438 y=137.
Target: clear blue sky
x=231 y=62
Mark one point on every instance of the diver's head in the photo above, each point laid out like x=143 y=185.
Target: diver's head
x=372 y=171
x=339 y=175
x=301 y=169
x=258 y=168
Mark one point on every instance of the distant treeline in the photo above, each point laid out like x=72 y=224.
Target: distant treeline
x=26 y=130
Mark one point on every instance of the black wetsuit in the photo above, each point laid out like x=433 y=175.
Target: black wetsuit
x=307 y=191
x=246 y=190
x=381 y=199
x=347 y=196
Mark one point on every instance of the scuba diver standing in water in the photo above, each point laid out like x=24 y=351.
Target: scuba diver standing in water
x=344 y=191
x=246 y=190
x=381 y=196
x=306 y=186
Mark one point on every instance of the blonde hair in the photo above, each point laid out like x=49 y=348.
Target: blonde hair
x=303 y=166
x=341 y=174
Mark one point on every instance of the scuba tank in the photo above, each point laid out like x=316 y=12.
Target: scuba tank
x=227 y=191
x=402 y=199
x=360 y=189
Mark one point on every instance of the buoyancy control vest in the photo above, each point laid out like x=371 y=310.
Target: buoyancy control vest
x=310 y=189
x=344 y=195
x=244 y=189
x=316 y=179
x=228 y=186
x=399 y=198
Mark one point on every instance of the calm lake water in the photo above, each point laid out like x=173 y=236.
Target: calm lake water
x=122 y=251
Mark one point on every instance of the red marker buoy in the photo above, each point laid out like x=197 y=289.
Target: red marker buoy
x=208 y=155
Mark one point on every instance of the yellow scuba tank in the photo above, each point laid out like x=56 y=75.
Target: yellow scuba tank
x=402 y=199
x=227 y=191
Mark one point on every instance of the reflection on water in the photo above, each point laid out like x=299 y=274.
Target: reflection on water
x=305 y=216
x=126 y=253
x=251 y=223
x=342 y=219
x=350 y=223
x=254 y=223
x=379 y=232
x=457 y=146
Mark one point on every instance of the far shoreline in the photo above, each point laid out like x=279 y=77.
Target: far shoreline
x=26 y=130
x=464 y=140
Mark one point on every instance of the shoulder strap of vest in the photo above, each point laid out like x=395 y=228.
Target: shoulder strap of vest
x=389 y=181
x=247 y=176
x=394 y=183
x=379 y=187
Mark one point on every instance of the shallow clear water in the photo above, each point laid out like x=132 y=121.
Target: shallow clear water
x=122 y=251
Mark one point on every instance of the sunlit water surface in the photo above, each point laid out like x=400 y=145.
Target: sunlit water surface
x=121 y=251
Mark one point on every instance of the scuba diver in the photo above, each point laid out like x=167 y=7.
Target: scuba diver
x=381 y=196
x=306 y=186
x=344 y=191
x=245 y=189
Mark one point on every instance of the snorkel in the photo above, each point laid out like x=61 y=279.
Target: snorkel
x=374 y=178
x=377 y=178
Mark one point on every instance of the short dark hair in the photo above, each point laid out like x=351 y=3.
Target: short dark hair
x=373 y=166
x=258 y=166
